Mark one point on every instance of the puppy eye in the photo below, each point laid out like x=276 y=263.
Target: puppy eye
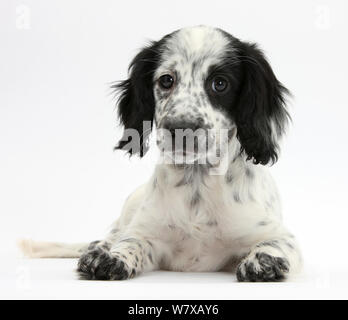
x=166 y=81
x=219 y=84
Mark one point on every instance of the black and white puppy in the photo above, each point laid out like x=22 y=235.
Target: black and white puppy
x=197 y=215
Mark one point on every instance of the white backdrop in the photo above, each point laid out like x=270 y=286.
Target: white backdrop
x=59 y=176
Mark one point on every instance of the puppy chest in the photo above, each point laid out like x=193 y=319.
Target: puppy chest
x=197 y=248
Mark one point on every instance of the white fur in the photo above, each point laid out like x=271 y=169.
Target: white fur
x=236 y=211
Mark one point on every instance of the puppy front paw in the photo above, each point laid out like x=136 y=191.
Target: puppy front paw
x=262 y=267
x=99 y=264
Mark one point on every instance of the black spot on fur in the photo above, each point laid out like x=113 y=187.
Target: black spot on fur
x=131 y=240
x=249 y=173
x=236 y=197
x=193 y=69
x=150 y=257
x=93 y=244
x=195 y=199
x=190 y=172
x=212 y=223
x=149 y=243
x=154 y=185
x=289 y=245
x=263 y=223
x=133 y=273
x=271 y=243
x=106 y=246
x=229 y=177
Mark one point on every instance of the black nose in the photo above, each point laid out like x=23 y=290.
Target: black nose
x=194 y=124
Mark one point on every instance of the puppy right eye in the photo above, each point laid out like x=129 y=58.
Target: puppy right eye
x=166 y=81
x=219 y=84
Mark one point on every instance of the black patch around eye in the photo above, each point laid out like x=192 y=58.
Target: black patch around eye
x=222 y=86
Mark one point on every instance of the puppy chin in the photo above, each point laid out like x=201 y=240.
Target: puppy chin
x=184 y=157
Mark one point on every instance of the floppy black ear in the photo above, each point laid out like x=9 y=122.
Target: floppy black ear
x=136 y=103
x=261 y=116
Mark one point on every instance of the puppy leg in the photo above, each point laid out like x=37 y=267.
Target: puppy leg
x=119 y=261
x=270 y=260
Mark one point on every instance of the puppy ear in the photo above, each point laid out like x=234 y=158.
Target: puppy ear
x=261 y=117
x=136 y=104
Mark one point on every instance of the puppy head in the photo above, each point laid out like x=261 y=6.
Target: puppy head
x=204 y=79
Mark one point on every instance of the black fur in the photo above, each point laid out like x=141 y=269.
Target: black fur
x=136 y=103
x=261 y=99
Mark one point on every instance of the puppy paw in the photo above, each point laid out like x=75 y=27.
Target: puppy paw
x=99 y=264
x=262 y=267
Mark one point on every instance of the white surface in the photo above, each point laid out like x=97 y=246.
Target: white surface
x=56 y=279
x=60 y=179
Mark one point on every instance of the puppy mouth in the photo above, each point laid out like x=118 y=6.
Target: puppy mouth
x=186 y=150
x=184 y=154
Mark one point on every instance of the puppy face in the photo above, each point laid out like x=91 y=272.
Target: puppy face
x=204 y=80
x=193 y=87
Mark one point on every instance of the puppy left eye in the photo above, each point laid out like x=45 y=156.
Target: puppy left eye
x=166 y=81
x=219 y=84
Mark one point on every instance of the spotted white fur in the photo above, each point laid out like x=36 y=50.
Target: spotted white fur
x=186 y=218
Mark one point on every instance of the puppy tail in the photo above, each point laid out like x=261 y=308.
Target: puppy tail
x=40 y=249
